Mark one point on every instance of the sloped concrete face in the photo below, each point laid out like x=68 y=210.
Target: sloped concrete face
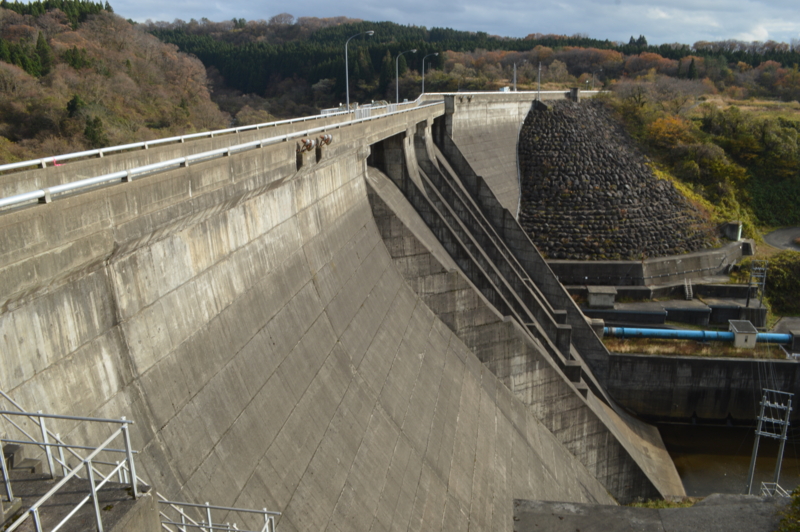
x=271 y=354
x=625 y=455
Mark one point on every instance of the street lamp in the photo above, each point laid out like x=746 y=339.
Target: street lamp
x=423 y=70
x=397 y=73
x=347 y=65
x=515 y=74
x=593 y=73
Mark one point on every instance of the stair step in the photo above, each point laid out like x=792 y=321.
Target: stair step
x=9 y=510
x=13 y=453
x=28 y=465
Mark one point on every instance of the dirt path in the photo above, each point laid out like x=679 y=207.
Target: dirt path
x=784 y=238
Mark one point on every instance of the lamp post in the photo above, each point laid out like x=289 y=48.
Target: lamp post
x=515 y=74
x=397 y=73
x=347 y=65
x=539 y=84
x=423 y=70
x=593 y=73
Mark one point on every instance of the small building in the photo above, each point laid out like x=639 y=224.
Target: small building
x=744 y=334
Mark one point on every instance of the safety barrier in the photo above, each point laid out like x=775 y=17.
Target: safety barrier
x=125 y=471
x=87 y=464
x=57 y=160
x=45 y=195
x=186 y=523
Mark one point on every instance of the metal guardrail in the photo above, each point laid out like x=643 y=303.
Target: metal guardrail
x=87 y=464
x=57 y=160
x=208 y=525
x=121 y=469
x=45 y=195
x=772 y=489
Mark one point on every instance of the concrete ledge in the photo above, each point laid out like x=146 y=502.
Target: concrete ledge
x=716 y=513
x=651 y=272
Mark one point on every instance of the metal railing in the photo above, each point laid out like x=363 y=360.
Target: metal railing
x=46 y=194
x=88 y=464
x=772 y=489
x=121 y=469
x=184 y=523
x=57 y=160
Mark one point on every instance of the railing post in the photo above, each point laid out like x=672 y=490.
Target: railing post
x=48 y=451
x=37 y=521
x=90 y=476
x=266 y=521
x=64 y=468
x=183 y=521
x=7 y=480
x=129 y=454
x=208 y=515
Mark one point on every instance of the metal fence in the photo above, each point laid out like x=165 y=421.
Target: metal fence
x=174 y=518
x=46 y=195
x=172 y=513
x=58 y=160
x=48 y=442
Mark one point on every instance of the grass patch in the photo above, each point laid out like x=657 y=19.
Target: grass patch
x=690 y=348
x=658 y=504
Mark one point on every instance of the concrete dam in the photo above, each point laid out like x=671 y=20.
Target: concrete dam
x=355 y=332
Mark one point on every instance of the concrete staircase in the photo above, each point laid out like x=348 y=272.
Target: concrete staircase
x=120 y=512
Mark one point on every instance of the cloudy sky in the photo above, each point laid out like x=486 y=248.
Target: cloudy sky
x=684 y=21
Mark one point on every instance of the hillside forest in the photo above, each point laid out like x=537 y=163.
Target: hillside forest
x=719 y=118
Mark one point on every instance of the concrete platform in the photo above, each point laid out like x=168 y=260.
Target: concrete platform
x=716 y=513
x=698 y=312
x=787 y=325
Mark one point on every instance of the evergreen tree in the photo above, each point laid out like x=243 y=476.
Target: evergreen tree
x=692 y=74
x=402 y=66
x=5 y=53
x=45 y=54
x=387 y=72
x=108 y=7
x=95 y=133
x=75 y=105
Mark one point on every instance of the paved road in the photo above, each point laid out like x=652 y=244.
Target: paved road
x=784 y=238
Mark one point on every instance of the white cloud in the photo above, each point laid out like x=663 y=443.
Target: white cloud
x=685 y=21
x=657 y=14
x=757 y=33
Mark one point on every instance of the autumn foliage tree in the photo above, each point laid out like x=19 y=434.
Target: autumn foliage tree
x=103 y=81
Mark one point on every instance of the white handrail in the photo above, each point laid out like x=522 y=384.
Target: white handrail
x=269 y=517
x=33 y=511
x=100 y=152
x=121 y=467
x=128 y=175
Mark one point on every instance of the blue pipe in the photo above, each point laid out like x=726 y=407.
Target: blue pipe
x=683 y=334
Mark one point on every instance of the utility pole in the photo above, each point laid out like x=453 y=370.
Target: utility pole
x=773 y=422
x=539 y=82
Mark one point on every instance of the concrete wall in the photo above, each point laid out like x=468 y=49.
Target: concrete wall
x=485 y=126
x=651 y=272
x=252 y=322
x=619 y=451
x=710 y=389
